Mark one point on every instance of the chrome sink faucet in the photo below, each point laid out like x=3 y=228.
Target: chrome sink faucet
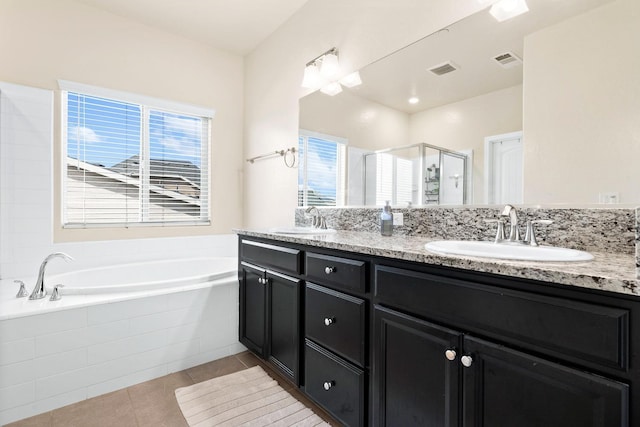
x=318 y=220
x=514 y=231
x=39 y=291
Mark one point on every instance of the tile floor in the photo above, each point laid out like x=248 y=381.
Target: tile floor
x=153 y=403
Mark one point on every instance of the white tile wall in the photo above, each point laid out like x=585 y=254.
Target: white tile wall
x=54 y=359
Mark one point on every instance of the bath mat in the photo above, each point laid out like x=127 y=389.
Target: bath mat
x=244 y=398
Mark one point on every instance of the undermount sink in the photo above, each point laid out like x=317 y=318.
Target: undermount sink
x=302 y=230
x=513 y=251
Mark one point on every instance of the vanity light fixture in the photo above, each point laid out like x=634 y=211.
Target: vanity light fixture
x=507 y=9
x=323 y=71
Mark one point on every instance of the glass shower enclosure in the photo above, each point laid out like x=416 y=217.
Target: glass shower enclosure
x=420 y=174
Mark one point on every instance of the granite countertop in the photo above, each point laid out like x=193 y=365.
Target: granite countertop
x=611 y=272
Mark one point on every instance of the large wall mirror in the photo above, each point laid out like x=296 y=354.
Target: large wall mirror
x=544 y=108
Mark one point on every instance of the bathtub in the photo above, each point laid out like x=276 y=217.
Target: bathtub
x=144 y=276
x=115 y=326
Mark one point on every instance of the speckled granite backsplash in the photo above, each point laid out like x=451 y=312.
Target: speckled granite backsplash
x=598 y=230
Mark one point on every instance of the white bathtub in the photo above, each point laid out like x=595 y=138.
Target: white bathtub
x=115 y=326
x=144 y=276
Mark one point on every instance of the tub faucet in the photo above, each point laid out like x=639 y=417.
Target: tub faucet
x=514 y=231
x=318 y=220
x=39 y=291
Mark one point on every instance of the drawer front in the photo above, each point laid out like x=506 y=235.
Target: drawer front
x=335 y=385
x=573 y=330
x=266 y=255
x=337 y=321
x=334 y=271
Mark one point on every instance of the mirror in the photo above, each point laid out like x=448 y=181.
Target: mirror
x=546 y=105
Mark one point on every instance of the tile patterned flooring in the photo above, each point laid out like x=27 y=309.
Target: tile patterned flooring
x=153 y=403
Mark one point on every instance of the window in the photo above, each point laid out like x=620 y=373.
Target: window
x=321 y=177
x=140 y=162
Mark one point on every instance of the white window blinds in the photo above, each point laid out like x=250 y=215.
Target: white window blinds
x=320 y=170
x=133 y=164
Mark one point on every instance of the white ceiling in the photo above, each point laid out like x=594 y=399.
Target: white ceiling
x=237 y=26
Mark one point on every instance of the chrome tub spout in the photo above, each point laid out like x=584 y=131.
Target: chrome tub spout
x=39 y=291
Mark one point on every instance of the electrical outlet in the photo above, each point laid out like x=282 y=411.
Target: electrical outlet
x=609 y=197
x=398 y=218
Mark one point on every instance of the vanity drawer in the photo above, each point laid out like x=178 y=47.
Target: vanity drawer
x=335 y=385
x=573 y=330
x=266 y=255
x=341 y=272
x=337 y=321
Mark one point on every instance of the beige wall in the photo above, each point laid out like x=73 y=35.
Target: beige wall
x=582 y=107
x=364 y=123
x=363 y=30
x=464 y=125
x=42 y=41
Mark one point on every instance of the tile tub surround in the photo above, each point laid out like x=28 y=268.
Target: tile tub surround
x=597 y=230
x=609 y=271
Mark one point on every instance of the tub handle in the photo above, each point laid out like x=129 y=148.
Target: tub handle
x=56 y=295
x=22 y=292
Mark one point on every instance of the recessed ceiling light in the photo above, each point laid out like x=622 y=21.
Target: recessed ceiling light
x=414 y=100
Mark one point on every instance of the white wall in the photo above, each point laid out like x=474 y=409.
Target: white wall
x=42 y=41
x=590 y=132
x=363 y=31
x=464 y=125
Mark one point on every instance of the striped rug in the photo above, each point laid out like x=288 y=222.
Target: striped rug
x=245 y=398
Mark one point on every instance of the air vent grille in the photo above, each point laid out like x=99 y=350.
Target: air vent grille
x=508 y=59
x=445 y=68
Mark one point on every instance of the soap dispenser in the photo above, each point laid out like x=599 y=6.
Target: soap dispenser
x=386 y=220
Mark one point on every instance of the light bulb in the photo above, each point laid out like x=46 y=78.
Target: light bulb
x=330 y=67
x=413 y=100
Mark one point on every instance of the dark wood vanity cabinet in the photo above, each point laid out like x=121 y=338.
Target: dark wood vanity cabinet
x=383 y=342
x=270 y=320
x=459 y=353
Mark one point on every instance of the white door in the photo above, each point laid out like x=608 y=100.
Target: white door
x=503 y=168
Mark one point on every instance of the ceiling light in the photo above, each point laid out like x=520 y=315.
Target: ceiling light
x=312 y=78
x=414 y=100
x=332 y=89
x=351 y=80
x=507 y=9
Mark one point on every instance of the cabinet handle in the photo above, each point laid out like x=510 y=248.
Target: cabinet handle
x=450 y=354
x=466 y=361
x=327 y=385
x=328 y=321
x=262 y=280
x=329 y=270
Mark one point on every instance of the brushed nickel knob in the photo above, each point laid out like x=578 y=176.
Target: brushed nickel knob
x=450 y=354
x=327 y=385
x=329 y=270
x=466 y=361
x=328 y=321
x=262 y=280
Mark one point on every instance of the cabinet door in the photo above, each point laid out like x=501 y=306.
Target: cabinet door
x=415 y=383
x=505 y=388
x=284 y=324
x=253 y=298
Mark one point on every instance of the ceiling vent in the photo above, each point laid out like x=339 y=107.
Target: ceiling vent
x=508 y=59
x=444 y=68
